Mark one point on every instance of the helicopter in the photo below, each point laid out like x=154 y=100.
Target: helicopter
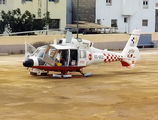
x=71 y=54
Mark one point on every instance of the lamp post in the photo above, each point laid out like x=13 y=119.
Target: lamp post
x=77 y=16
x=47 y=25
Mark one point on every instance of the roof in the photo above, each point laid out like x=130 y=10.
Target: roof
x=84 y=24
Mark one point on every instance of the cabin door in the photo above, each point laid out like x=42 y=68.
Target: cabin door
x=73 y=57
x=82 y=55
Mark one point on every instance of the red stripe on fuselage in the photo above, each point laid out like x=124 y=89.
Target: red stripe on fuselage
x=59 y=68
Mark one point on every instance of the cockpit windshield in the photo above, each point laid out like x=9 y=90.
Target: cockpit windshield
x=39 y=52
x=43 y=50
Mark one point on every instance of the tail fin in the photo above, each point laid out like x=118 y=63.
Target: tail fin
x=131 y=53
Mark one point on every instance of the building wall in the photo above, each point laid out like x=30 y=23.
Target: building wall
x=156 y=16
x=132 y=9
x=86 y=10
x=69 y=12
x=15 y=44
x=58 y=10
x=156 y=20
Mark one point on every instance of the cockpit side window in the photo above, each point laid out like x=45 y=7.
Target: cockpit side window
x=55 y=53
x=51 y=52
x=39 y=52
x=82 y=53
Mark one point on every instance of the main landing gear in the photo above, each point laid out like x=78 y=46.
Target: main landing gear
x=63 y=74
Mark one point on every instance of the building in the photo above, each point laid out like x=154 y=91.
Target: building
x=127 y=14
x=156 y=16
x=60 y=10
x=86 y=10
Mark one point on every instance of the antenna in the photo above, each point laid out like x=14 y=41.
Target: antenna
x=77 y=16
x=47 y=24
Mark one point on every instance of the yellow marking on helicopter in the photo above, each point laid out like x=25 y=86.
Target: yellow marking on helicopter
x=136 y=41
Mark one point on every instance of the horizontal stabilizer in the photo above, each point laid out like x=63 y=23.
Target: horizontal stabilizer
x=125 y=64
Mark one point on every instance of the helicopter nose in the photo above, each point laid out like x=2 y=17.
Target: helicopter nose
x=28 y=63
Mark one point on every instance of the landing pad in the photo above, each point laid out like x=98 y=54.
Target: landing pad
x=112 y=92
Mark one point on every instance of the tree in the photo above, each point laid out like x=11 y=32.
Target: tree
x=1 y=27
x=28 y=21
x=25 y=22
x=53 y=24
x=18 y=22
x=47 y=20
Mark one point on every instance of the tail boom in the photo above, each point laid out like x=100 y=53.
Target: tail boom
x=130 y=53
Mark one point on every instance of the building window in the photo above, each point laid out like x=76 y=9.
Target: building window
x=54 y=24
x=99 y=21
x=108 y=2
x=29 y=0
x=114 y=23
x=2 y=1
x=125 y=19
x=145 y=4
x=144 y=22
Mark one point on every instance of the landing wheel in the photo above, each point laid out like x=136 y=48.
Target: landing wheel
x=44 y=74
x=33 y=73
x=64 y=74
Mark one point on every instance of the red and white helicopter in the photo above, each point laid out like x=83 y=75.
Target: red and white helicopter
x=71 y=55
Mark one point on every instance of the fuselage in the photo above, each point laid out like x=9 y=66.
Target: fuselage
x=69 y=56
